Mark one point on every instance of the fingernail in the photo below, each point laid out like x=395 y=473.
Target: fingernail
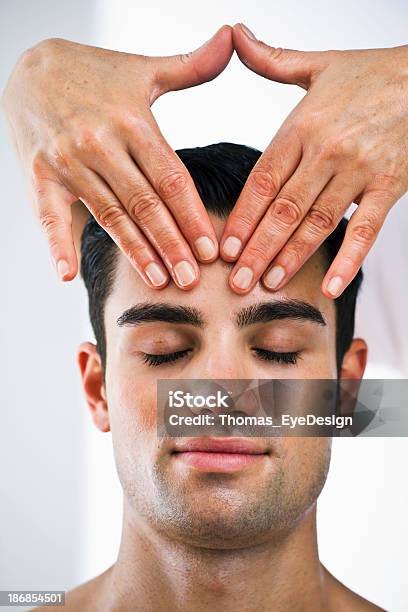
x=243 y=278
x=335 y=285
x=231 y=246
x=155 y=274
x=62 y=268
x=274 y=277
x=247 y=31
x=205 y=248
x=184 y=273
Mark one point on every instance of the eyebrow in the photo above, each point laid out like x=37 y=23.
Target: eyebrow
x=169 y=313
x=263 y=312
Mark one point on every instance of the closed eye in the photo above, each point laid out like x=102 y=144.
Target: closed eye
x=157 y=360
x=289 y=357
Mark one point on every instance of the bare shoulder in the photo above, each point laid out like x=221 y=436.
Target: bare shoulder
x=84 y=597
x=344 y=599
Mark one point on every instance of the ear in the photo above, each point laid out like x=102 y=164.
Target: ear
x=351 y=373
x=90 y=364
x=355 y=360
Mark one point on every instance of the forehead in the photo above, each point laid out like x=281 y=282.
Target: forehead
x=213 y=296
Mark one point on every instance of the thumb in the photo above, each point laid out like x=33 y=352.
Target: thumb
x=199 y=66
x=276 y=64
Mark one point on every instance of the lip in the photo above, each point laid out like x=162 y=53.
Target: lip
x=222 y=455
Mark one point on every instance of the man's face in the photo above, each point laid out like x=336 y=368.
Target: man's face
x=218 y=334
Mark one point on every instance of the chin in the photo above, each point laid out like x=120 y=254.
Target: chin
x=220 y=518
x=218 y=532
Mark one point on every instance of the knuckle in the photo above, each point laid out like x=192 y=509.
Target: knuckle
x=296 y=252
x=257 y=254
x=197 y=71
x=135 y=250
x=272 y=55
x=352 y=259
x=185 y=58
x=189 y=220
x=38 y=165
x=49 y=46
x=264 y=183
x=365 y=232
x=89 y=141
x=43 y=58
x=169 y=244
x=285 y=211
x=276 y=53
x=143 y=206
x=61 y=161
x=361 y=158
x=340 y=146
x=320 y=219
x=309 y=123
x=243 y=222
x=43 y=51
x=41 y=191
x=260 y=249
x=172 y=184
x=332 y=148
x=49 y=221
x=109 y=216
x=60 y=156
x=129 y=121
x=385 y=187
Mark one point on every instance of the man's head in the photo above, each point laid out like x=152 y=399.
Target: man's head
x=210 y=332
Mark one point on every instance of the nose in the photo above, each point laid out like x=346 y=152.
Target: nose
x=217 y=367
x=221 y=359
x=223 y=395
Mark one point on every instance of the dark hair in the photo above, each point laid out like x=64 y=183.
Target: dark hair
x=219 y=172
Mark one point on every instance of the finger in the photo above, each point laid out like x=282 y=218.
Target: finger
x=272 y=170
x=53 y=203
x=200 y=66
x=276 y=64
x=361 y=233
x=144 y=207
x=280 y=221
x=322 y=218
x=174 y=186
x=114 y=219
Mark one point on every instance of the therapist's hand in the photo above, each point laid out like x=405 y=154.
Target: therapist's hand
x=83 y=128
x=347 y=140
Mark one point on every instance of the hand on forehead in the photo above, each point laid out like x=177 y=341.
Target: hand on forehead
x=213 y=294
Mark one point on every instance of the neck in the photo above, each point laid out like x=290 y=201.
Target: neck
x=162 y=574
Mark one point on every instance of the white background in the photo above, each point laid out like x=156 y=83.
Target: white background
x=60 y=504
